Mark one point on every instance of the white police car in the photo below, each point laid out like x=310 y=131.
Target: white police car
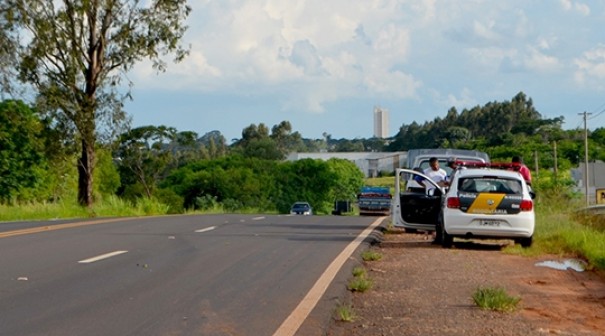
x=487 y=203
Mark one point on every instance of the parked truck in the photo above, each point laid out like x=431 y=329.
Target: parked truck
x=374 y=201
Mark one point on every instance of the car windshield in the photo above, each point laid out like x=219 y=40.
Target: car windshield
x=442 y=164
x=490 y=185
x=300 y=206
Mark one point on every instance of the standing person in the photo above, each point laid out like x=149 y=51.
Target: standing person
x=517 y=163
x=452 y=163
x=439 y=175
x=436 y=173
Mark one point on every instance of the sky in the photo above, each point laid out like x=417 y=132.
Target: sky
x=325 y=65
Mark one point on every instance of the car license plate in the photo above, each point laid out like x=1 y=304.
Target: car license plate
x=490 y=222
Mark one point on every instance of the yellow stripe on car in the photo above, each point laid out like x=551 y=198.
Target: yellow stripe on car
x=486 y=203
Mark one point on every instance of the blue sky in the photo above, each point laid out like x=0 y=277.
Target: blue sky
x=324 y=65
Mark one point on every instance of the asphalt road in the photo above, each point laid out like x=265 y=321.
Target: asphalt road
x=174 y=275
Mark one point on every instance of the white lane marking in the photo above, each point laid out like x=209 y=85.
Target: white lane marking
x=101 y=257
x=304 y=308
x=258 y=218
x=206 y=229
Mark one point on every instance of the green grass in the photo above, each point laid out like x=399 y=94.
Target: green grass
x=345 y=312
x=359 y=272
x=387 y=181
x=360 y=284
x=112 y=206
x=562 y=230
x=360 y=281
x=369 y=255
x=495 y=298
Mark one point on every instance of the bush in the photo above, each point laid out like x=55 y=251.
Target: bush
x=232 y=205
x=174 y=201
x=206 y=202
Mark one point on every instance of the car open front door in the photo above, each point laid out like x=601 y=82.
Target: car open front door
x=415 y=209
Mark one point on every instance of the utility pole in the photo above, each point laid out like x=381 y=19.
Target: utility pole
x=555 y=168
x=586 y=155
x=536 y=164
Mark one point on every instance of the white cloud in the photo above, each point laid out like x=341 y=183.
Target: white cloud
x=590 y=68
x=577 y=6
x=463 y=101
x=536 y=61
x=394 y=85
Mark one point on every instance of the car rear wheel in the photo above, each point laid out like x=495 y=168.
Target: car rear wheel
x=526 y=242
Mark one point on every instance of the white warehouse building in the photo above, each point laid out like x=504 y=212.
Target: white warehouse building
x=370 y=163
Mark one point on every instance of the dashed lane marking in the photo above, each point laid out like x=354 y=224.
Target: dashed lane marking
x=101 y=257
x=206 y=229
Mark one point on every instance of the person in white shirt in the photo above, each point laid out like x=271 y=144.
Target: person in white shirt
x=437 y=174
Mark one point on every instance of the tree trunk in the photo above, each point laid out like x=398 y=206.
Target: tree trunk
x=85 y=173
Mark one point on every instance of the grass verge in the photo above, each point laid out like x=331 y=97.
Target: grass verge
x=495 y=298
x=369 y=255
x=345 y=312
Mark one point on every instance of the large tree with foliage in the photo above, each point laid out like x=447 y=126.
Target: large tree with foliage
x=75 y=53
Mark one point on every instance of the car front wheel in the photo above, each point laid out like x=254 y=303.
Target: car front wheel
x=446 y=240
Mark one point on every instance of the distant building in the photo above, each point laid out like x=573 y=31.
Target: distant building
x=381 y=123
x=596 y=181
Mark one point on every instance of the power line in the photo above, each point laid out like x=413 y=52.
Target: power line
x=596 y=115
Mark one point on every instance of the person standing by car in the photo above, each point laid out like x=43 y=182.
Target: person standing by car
x=452 y=163
x=518 y=165
x=437 y=174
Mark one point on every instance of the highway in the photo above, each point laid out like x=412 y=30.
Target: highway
x=176 y=275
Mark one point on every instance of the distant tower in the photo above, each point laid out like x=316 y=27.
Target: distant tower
x=381 y=122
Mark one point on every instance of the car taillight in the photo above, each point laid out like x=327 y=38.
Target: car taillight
x=527 y=205
x=453 y=202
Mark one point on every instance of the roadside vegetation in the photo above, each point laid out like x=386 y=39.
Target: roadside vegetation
x=345 y=312
x=495 y=298
x=360 y=282
x=370 y=255
x=562 y=227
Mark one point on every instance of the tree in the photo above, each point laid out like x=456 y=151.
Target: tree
x=22 y=161
x=285 y=140
x=144 y=155
x=256 y=143
x=75 y=54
